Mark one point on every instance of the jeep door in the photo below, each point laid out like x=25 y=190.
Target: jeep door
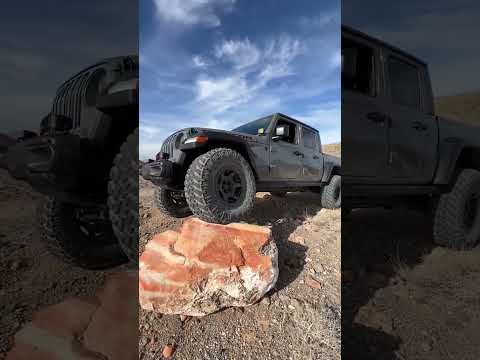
x=285 y=153
x=312 y=158
x=364 y=123
x=412 y=137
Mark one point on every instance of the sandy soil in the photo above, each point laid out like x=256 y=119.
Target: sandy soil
x=298 y=319
x=408 y=298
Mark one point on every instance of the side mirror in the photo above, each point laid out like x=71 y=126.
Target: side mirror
x=282 y=131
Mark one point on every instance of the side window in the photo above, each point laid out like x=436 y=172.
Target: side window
x=309 y=138
x=404 y=83
x=292 y=130
x=357 y=67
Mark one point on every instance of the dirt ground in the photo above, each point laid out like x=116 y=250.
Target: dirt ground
x=298 y=319
x=408 y=298
x=30 y=277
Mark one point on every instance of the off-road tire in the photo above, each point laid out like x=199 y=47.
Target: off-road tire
x=123 y=196
x=200 y=190
x=169 y=205
x=63 y=238
x=332 y=193
x=449 y=226
x=280 y=194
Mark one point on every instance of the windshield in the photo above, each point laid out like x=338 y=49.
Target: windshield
x=251 y=128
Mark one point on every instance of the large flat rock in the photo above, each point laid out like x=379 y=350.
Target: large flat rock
x=206 y=267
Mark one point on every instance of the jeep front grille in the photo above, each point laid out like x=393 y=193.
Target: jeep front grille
x=68 y=101
x=169 y=144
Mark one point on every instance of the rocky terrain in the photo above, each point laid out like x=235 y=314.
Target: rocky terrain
x=30 y=278
x=298 y=319
x=408 y=298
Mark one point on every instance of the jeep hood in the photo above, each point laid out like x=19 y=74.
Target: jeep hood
x=219 y=134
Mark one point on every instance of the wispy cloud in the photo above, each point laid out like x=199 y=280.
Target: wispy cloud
x=241 y=53
x=252 y=68
x=191 y=12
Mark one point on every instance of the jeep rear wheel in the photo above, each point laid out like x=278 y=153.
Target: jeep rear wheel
x=172 y=203
x=220 y=186
x=332 y=193
x=123 y=197
x=457 y=217
x=80 y=235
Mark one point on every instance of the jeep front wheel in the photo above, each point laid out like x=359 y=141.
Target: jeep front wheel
x=457 y=217
x=220 y=186
x=79 y=235
x=172 y=203
x=123 y=196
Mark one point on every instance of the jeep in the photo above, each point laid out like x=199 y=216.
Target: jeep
x=84 y=158
x=215 y=174
x=397 y=152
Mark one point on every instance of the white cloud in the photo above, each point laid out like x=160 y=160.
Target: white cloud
x=279 y=54
x=253 y=68
x=200 y=61
x=242 y=53
x=336 y=59
x=221 y=94
x=191 y=12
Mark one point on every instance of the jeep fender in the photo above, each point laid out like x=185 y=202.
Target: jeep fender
x=448 y=155
x=330 y=167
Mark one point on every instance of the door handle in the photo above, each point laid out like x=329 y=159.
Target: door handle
x=419 y=126
x=376 y=117
x=315 y=157
x=298 y=153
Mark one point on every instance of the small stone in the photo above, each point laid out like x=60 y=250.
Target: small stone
x=313 y=283
x=184 y=318
x=426 y=347
x=15 y=265
x=265 y=301
x=168 y=351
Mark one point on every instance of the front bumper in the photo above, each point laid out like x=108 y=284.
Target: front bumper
x=160 y=172
x=47 y=163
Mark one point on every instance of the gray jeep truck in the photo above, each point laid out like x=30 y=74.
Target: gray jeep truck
x=396 y=151
x=215 y=174
x=84 y=158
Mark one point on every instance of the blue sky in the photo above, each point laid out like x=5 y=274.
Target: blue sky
x=221 y=63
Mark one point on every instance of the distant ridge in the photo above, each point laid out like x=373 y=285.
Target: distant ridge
x=462 y=107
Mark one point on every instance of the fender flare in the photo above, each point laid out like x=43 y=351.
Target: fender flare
x=330 y=169
x=449 y=151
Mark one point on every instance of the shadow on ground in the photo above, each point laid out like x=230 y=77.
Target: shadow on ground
x=285 y=215
x=374 y=243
